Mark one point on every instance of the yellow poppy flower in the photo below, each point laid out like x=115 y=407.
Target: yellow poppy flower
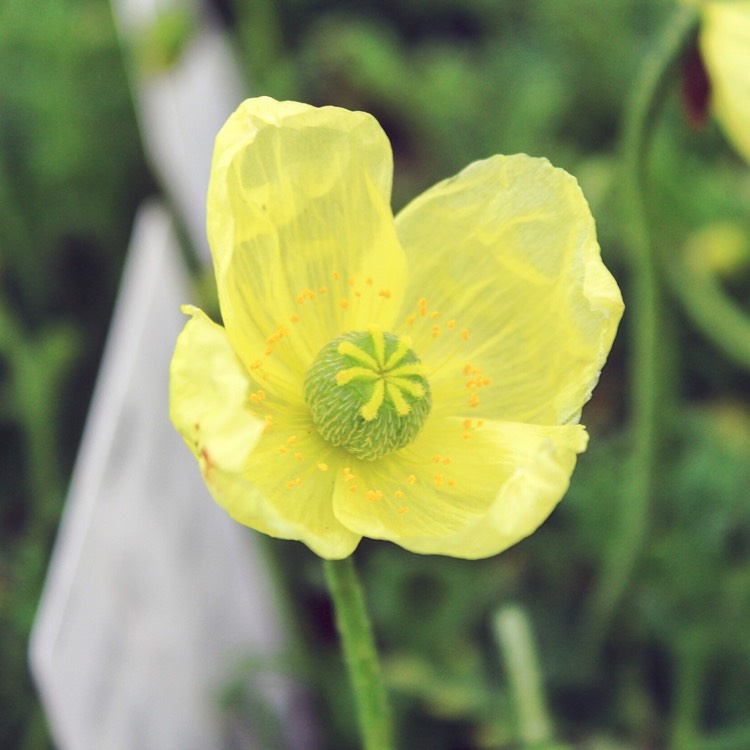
x=417 y=380
x=725 y=46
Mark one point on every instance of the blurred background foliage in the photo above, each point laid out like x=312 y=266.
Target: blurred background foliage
x=451 y=81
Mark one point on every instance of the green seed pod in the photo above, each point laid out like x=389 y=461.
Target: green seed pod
x=367 y=392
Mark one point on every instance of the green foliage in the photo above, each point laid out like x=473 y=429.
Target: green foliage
x=71 y=173
x=450 y=81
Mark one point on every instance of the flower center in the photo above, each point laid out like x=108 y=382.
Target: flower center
x=367 y=392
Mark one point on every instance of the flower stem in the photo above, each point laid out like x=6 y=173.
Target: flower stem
x=627 y=542
x=360 y=654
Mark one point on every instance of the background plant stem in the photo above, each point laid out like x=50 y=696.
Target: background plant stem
x=360 y=654
x=644 y=312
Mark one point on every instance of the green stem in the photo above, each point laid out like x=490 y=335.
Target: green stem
x=691 y=664
x=627 y=542
x=516 y=643
x=711 y=310
x=360 y=655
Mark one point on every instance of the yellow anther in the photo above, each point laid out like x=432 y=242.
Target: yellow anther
x=291 y=440
x=283 y=449
x=450 y=325
x=294 y=483
x=369 y=281
x=343 y=303
x=435 y=331
x=438 y=480
x=373 y=495
x=335 y=275
x=353 y=489
x=451 y=482
x=294 y=319
x=298 y=456
x=434 y=315
x=411 y=320
x=351 y=281
x=436 y=459
x=411 y=479
x=323 y=290
x=465 y=334
x=398 y=494
x=446 y=460
x=256 y=364
x=474 y=399
x=403 y=511
x=323 y=467
x=385 y=293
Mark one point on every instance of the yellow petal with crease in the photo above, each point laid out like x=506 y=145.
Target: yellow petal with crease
x=256 y=454
x=725 y=44
x=507 y=256
x=464 y=488
x=208 y=391
x=301 y=231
